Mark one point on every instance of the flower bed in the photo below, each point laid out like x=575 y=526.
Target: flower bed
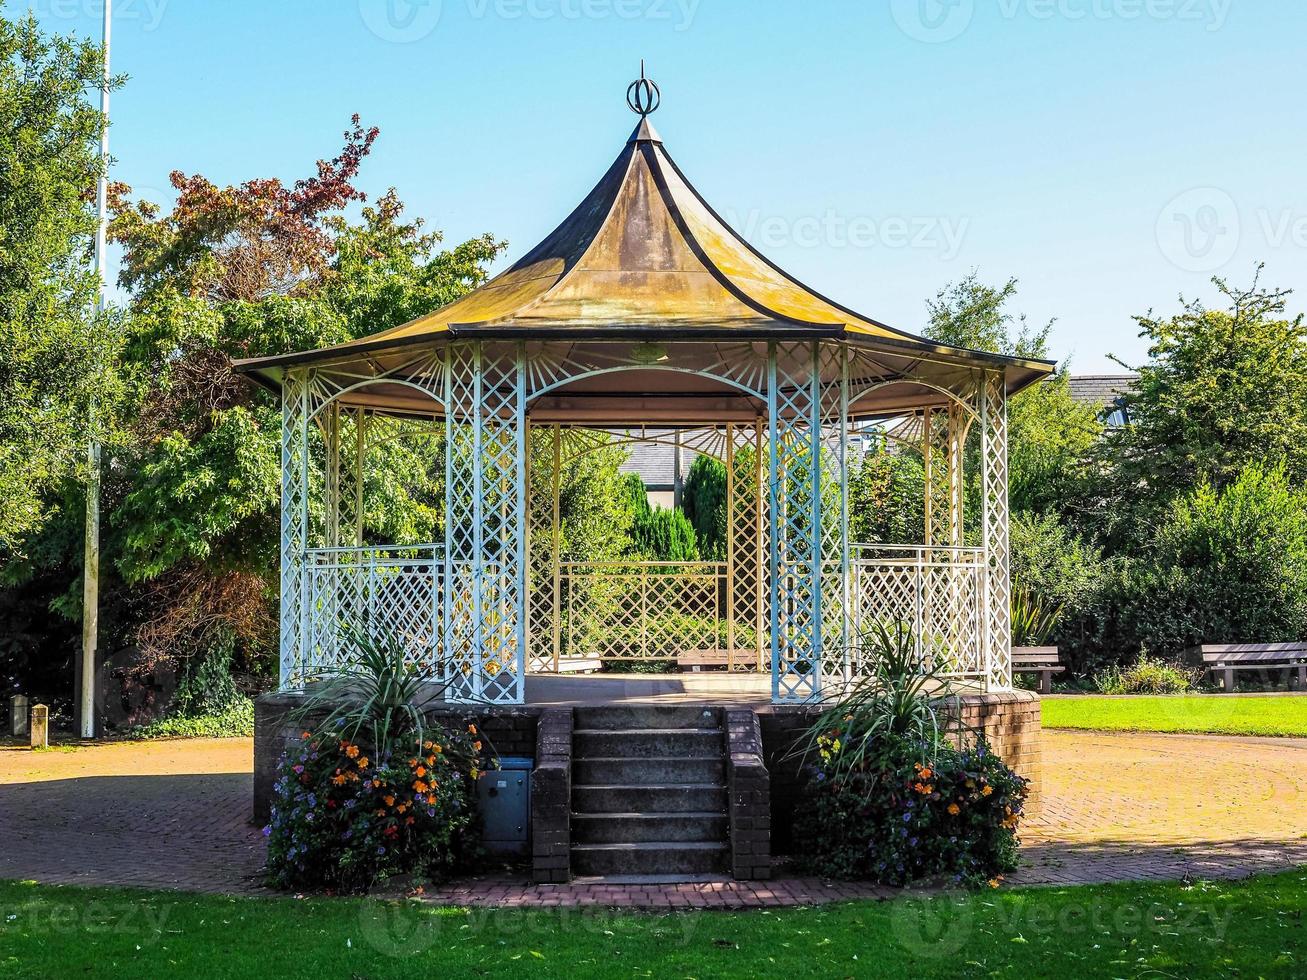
x=345 y=817
x=916 y=813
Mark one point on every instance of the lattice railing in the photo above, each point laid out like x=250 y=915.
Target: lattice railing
x=936 y=593
x=391 y=594
x=647 y=611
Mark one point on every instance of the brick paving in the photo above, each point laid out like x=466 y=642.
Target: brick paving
x=1116 y=807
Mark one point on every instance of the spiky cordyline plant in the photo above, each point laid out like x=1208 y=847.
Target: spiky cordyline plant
x=374 y=696
x=895 y=703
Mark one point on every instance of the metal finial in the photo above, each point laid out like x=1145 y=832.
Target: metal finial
x=643 y=96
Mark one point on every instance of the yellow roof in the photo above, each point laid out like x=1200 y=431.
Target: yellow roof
x=644 y=256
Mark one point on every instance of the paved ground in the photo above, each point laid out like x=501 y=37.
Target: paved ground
x=1116 y=807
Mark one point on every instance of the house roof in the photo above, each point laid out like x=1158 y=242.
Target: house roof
x=1101 y=389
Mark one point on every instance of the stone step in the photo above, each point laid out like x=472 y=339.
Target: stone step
x=649 y=858
x=649 y=743
x=670 y=798
x=659 y=769
x=641 y=716
x=631 y=828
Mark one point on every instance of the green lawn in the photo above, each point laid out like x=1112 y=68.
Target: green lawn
x=1247 y=929
x=1211 y=713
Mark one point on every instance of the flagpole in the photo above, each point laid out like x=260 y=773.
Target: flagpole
x=91 y=564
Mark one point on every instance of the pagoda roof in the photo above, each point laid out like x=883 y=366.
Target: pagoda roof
x=644 y=257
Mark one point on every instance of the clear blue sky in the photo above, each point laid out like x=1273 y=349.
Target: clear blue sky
x=1111 y=154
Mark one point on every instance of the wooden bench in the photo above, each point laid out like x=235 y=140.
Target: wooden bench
x=1037 y=660
x=1225 y=658
x=696 y=660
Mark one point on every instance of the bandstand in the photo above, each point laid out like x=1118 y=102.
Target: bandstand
x=644 y=311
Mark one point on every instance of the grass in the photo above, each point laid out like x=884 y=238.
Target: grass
x=1253 y=928
x=1202 y=713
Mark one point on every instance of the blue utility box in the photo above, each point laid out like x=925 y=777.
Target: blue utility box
x=504 y=798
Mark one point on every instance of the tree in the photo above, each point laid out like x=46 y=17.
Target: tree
x=1051 y=435
x=972 y=315
x=52 y=348
x=704 y=503
x=887 y=493
x=1220 y=389
x=664 y=535
x=191 y=488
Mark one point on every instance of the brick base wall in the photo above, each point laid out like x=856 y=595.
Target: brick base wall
x=748 y=796
x=506 y=731
x=551 y=799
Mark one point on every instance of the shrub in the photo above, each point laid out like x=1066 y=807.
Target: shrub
x=664 y=535
x=1224 y=566
x=1147 y=676
x=1032 y=623
x=372 y=790
x=953 y=815
x=888 y=797
x=234 y=721
x=344 y=819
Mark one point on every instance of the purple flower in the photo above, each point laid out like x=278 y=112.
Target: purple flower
x=267 y=831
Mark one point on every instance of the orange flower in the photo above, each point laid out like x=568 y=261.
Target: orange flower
x=421 y=770
x=954 y=809
x=363 y=763
x=926 y=774
x=352 y=751
x=402 y=807
x=420 y=786
x=431 y=760
x=427 y=744
x=436 y=748
x=390 y=801
x=412 y=762
x=987 y=790
x=476 y=746
x=305 y=735
x=471 y=729
x=431 y=799
x=338 y=779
